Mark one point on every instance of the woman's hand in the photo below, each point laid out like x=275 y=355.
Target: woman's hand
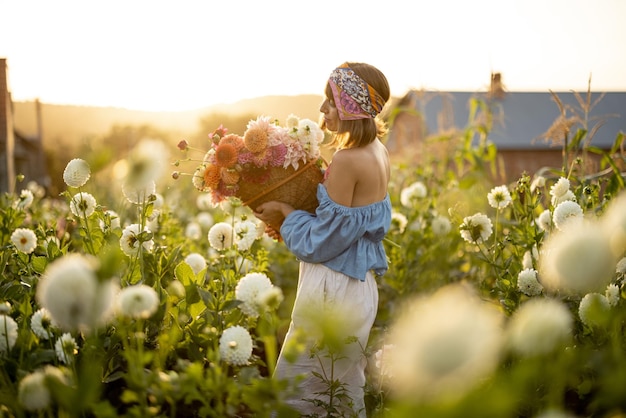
x=273 y=213
x=272 y=233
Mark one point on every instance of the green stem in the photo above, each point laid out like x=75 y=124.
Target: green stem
x=270 y=352
x=83 y=218
x=495 y=228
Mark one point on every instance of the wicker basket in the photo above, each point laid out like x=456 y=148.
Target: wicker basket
x=295 y=187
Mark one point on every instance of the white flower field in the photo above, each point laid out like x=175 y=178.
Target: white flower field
x=142 y=299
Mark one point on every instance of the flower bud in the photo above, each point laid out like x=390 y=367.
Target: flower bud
x=183 y=145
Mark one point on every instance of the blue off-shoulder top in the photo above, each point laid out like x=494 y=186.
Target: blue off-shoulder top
x=344 y=239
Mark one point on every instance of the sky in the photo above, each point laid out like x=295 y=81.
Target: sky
x=181 y=55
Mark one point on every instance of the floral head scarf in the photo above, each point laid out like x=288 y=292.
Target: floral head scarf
x=354 y=98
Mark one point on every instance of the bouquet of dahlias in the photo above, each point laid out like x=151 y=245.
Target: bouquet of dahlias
x=269 y=162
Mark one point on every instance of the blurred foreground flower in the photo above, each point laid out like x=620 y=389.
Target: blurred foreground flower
x=555 y=413
x=382 y=359
x=444 y=344
x=271 y=298
x=196 y=261
x=576 y=260
x=441 y=225
x=204 y=202
x=138 y=301
x=205 y=219
x=33 y=392
x=236 y=346
x=530 y=258
x=539 y=326
x=5 y=308
x=8 y=334
x=76 y=173
x=398 y=221
x=593 y=309
x=139 y=193
x=193 y=230
x=620 y=268
x=146 y=162
x=567 y=212
x=412 y=193
x=249 y=291
x=70 y=291
x=614 y=223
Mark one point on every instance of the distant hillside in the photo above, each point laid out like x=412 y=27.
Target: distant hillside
x=305 y=106
x=70 y=124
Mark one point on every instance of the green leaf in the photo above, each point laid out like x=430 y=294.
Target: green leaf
x=129 y=396
x=207 y=297
x=578 y=138
x=39 y=263
x=231 y=304
x=184 y=273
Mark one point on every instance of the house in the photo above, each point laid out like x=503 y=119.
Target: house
x=523 y=128
x=20 y=154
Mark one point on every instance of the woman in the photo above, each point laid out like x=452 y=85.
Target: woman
x=340 y=246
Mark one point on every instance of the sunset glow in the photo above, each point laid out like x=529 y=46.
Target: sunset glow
x=157 y=55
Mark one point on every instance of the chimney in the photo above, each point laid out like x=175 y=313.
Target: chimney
x=496 y=91
x=7 y=137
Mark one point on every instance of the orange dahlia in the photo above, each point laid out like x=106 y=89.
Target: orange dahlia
x=255 y=139
x=211 y=176
x=230 y=176
x=235 y=140
x=226 y=154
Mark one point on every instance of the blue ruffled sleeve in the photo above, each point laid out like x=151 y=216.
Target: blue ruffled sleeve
x=345 y=239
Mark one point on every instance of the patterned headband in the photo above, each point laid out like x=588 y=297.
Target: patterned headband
x=354 y=98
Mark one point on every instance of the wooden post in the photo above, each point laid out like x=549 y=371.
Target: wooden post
x=7 y=137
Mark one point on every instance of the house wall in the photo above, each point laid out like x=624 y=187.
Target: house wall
x=516 y=162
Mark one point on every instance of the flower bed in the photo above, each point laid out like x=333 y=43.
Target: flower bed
x=515 y=299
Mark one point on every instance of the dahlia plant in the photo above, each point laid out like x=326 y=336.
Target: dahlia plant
x=140 y=297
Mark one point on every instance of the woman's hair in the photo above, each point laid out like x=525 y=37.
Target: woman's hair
x=361 y=132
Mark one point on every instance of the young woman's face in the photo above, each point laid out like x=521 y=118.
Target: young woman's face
x=331 y=116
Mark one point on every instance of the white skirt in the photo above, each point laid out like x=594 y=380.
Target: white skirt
x=328 y=301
